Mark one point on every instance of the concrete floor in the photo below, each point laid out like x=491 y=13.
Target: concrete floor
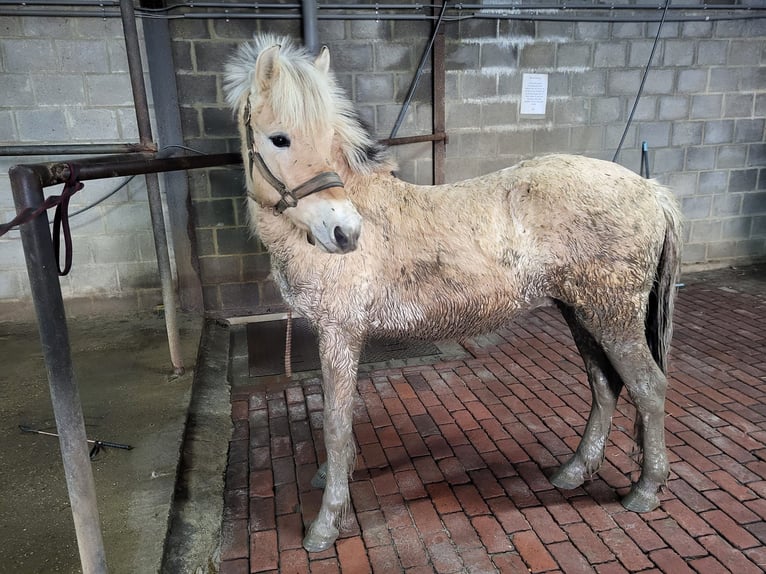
x=121 y=367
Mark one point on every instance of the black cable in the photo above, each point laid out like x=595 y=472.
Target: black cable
x=643 y=81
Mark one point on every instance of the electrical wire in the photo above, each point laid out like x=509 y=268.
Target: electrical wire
x=643 y=81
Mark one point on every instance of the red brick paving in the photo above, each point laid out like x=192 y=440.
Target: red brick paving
x=454 y=458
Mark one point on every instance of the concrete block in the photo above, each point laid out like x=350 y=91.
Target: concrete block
x=517 y=29
x=411 y=29
x=47 y=27
x=93 y=280
x=712 y=52
x=589 y=83
x=627 y=30
x=703 y=231
x=42 y=126
x=639 y=52
x=646 y=109
x=591 y=31
x=657 y=134
x=374 y=88
x=738 y=105
x=357 y=57
x=669 y=29
x=586 y=138
x=83 y=56
x=197 y=88
x=498 y=55
x=256 y=267
x=236 y=240
x=696 y=29
x=610 y=55
x=512 y=143
x=761 y=179
x=683 y=184
x=694 y=253
x=550 y=141
x=7 y=127
x=752 y=78
x=744 y=53
x=760 y=105
x=736 y=228
x=370 y=29
x=402 y=83
x=226 y=182
x=331 y=30
x=222 y=269
x=759 y=226
x=106 y=28
x=623 y=82
x=113 y=248
x=478 y=145
x=721 y=250
x=129 y=126
x=718 y=131
x=727 y=204
x=498 y=114
x=754 y=203
x=743 y=180
x=218 y=122
x=17 y=90
x=535 y=56
x=557 y=31
x=390 y=57
x=29 y=55
x=751 y=248
x=205 y=241
x=214 y=213
x=731 y=156
x=463 y=115
x=723 y=79
x=478 y=87
x=696 y=207
x=706 y=106
x=659 y=81
x=573 y=55
x=574 y=111
x=138 y=275
x=605 y=110
x=749 y=130
x=240 y=297
x=692 y=81
x=108 y=90
x=678 y=53
x=92 y=124
x=686 y=133
x=756 y=155
x=127 y=218
x=182 y=55
x=476 y=28
x=613 y=134
x=192 y=29
x=713 y=182
x=210 y=56
x=667 y=160
x=10 y=285
x=66 y=90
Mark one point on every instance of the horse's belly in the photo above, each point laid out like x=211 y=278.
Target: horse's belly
x=444 y=317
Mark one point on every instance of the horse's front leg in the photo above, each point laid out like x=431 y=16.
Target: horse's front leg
x=339 y=351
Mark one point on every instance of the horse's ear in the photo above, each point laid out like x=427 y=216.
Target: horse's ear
x=322 y=61
x=266 y=65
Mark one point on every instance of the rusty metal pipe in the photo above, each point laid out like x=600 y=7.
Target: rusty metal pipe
x=51 y=321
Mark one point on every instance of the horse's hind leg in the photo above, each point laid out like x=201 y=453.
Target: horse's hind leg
x=646 y=384
x=339 y=352
x=605 y=385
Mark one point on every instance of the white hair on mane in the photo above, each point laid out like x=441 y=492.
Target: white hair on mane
x=301 y=96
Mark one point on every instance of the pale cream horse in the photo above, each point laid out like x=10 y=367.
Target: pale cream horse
x=359 y=252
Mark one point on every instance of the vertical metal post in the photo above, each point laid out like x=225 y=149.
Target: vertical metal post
x=438 y=111
x=169 y=298
x=54 y=336
x=310 y=17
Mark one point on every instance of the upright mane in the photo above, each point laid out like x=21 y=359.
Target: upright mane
x=303 y=97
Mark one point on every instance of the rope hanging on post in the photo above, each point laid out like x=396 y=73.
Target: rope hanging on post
x=61 y=220
x=289 y=345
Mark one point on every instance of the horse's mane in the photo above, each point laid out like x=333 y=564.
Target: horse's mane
x=305 y=98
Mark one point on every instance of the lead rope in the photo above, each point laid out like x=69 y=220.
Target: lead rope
x=288 y=346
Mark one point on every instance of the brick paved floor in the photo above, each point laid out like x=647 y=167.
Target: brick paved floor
x=454 y=458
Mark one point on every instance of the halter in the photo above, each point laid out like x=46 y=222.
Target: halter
x=289 y=197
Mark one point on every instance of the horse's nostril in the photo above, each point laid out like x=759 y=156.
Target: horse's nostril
x=340 y=237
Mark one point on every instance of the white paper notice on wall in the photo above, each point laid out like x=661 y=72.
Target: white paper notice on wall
x=534 y=94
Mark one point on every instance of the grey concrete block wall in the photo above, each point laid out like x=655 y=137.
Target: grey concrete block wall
x=65 y=80
x=702 y=115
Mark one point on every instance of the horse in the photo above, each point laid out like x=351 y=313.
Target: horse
x=359 y=252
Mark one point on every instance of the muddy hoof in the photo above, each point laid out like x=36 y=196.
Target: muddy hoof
x=317 y=542
x=566 y=479
x=639 y=500
x=320 y=478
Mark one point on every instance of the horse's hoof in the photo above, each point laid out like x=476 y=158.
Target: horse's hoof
x=639 y=500
x=317 y=542
x=565 y=479
x=320 y=478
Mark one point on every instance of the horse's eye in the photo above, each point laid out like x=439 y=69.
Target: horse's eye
x=280 y=140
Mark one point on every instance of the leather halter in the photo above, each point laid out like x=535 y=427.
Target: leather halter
x=289 y=197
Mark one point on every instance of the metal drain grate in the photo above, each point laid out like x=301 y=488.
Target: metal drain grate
x=266 y=348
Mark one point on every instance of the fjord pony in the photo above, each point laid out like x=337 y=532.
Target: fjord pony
x=359 y=252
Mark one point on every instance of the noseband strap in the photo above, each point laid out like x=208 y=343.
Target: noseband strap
x=289 y=197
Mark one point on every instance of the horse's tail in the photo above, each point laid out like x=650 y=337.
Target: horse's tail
x=659 y=317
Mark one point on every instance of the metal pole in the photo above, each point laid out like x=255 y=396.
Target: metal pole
x=51 y=321
x=310 y=26
x=169 y=298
